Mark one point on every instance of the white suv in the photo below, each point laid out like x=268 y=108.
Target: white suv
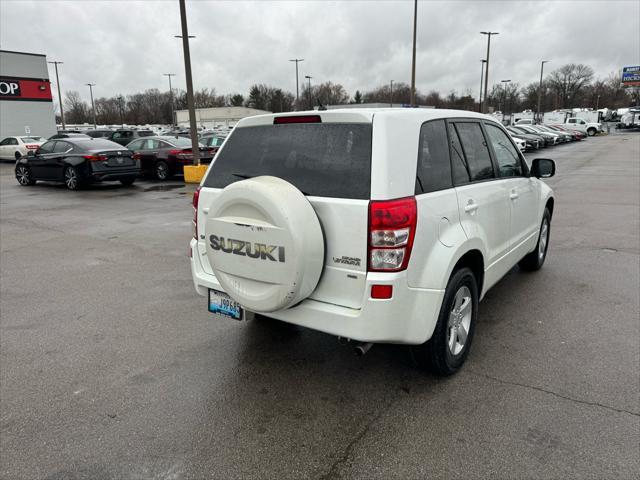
x=385 y=225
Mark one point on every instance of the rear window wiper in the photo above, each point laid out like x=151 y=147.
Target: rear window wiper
x=240 y=175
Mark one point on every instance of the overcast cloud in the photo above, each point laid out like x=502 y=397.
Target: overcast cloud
x=126 y=46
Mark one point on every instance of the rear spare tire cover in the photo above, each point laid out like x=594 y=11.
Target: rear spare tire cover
x=264 y=243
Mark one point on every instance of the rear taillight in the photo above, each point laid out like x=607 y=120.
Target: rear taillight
x=196 y=198
x=32 y=147
x=392 y=228
x=185 y=154
x=95 y=158
x=136 y=156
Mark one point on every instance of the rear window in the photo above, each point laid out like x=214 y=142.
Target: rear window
x=145 y=133
x=320 y=159
x=179 y=141
x=97 y=144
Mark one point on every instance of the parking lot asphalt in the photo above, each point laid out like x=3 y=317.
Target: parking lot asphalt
x=112 y=368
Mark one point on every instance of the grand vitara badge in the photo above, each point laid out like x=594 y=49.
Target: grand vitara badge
x=262 y=251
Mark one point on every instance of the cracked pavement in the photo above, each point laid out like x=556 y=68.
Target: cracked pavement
x=111 y=367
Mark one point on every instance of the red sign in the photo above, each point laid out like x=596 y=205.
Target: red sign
x=26 y=89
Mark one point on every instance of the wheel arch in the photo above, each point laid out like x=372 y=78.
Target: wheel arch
x=474 y=260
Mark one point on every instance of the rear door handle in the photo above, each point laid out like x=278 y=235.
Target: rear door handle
x=470 y=207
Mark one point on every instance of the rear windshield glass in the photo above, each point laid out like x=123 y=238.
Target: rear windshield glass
x=179 y=141
x=320 y=159
x=96 y=144
x=145 y=133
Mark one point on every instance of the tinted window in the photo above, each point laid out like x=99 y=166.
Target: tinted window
x=46 y=147
x=458 y=162
x=5 y=141
x=475 y=150
x=507 y=156
x=145 y=133
x=61 y=147
x=180 y=141
x=434 y=167
x=98 y=144
x=320 y=159
x=29 y=139
x=135 y=145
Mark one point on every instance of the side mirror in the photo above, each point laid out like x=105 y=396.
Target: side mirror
x=543 y=168
x=31 y=153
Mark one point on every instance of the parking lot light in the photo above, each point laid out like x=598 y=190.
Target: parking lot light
x=93 y=106
x=540 y=91
x=59 y=94
x=169 y=75
x=297 y=60
x=486 y=73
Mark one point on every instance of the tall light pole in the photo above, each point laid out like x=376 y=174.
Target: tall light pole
x=413 y=58
x=481 y=74
x=486 y=73
x=195 y=147
x=391 y=94
x=121 y=108
x=297 y=60
x=309 y=90
x=540 y=90
x=169 y=75
x=504 y=96
x=59 y=94
x=93 y=106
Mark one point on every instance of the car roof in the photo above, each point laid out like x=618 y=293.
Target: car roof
x=366 y=115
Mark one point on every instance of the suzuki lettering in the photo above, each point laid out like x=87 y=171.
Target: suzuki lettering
x=247 y=249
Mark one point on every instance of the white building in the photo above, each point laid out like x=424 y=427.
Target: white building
x=26 y=105
x=217 y=116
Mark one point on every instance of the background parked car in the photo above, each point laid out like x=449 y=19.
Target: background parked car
x=164 y=156
x=549 y=138
x=212 y=140
x=534 y=142
x=68 y=135
x=78 y=162
x=12 y=148
x=100 y=133
x=125 y=136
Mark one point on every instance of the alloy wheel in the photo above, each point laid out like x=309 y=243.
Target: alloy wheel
x=71 y=178
x=23 y=175
x=459 y=320
x=544 y=239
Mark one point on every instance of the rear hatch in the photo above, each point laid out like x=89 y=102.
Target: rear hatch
x=328 y=158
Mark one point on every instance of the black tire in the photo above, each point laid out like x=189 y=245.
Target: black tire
x=127 y=182
x=72 y=178
x=534 y=260
x=161 y=170
x=18 y=156
x=591 y=132
x=23 y=175
x=436 y=354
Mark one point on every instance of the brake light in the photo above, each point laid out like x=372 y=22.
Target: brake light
x=196 y=199
x=95 y=158
x=32 y=147
x=137 y=156
x=297 y=119
x=392 y=228
x=185 y=154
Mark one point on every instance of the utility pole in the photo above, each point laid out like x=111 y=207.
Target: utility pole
x=540 y=91
x=121 y=108
x=297 y=90
x=59 y=94
x=413 y=61
x=481 y=75
x=309 y=90
x=391 y=94
x=195 y=147
x=169 y=75
x=504 y=97
x=93 y=107
x=486 y=73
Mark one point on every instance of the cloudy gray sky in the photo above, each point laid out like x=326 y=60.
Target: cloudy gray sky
x=126 y=46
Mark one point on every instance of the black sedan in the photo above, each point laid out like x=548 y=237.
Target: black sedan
x=78 y=162
x=164 y=156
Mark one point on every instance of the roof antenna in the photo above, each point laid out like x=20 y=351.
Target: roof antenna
x=320 y=106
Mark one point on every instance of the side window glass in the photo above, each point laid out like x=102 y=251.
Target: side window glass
x=162 y=144
x=571 y=120
x=434 y=166
x=116 y=135
x=46 y=147
x=458 y=161
x=507 y=156
x=155 y=144
x=13 y=141
x=61 y=147
x=134 y=146
x=5 y=141
x=475 y=151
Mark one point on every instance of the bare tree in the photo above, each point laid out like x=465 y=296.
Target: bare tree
x=76 y=110
x=568 y=83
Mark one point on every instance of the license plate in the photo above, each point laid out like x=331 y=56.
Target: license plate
x=118 y=161
x=222 y=304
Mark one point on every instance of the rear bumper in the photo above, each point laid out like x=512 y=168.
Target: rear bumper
x=409 y=317
x=119 y=175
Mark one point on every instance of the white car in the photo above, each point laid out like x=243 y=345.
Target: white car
x=590 y=128
x=13 y=148
x=374 y=225
x=521 y=144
